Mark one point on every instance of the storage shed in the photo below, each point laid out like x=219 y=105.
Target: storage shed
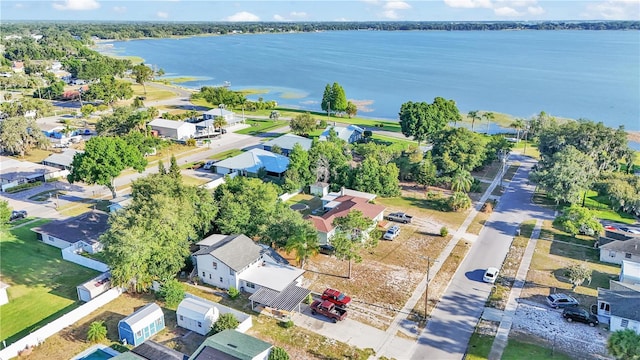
x=196 y=314
x=141 y=325
x=178 y=130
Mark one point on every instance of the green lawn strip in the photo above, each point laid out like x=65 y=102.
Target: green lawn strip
x=152 y=93
x=479 y=347
x=517 y=350
x=226 y=154
x=312 y=202
x=43 y=286
x=261 y=126
x=190 y=180
x=423 y=207
x=395 y=143
x=530 y=150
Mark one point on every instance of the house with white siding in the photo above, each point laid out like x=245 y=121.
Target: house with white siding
x=350 y=134
x=620 y=309
x=82 y=232
x=617 y=251
x=197 y=315
x=177 y=130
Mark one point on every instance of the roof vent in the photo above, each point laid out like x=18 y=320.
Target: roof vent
x=233 y=346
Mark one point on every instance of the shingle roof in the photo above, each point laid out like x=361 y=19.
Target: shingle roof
x=234 y=343
x=287 y=141
x=624 y=304
x=254 y=159
x=236 y=251
x=86 y=227
x=64 y=158
x=151 y=350
x=324 y=223
x=629 y=246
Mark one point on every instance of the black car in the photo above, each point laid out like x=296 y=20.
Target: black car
x=18 y=214
x=327 y=249
x=580 y=315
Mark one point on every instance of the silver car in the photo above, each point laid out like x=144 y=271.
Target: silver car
x=392 y=233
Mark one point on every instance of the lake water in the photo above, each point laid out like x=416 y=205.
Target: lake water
x=575 y=74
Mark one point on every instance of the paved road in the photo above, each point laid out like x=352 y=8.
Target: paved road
x=453 y=320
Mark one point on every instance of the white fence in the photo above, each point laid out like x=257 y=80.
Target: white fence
x=219 y=181
x=39 y=336
x=287 y=196
x=69 y=254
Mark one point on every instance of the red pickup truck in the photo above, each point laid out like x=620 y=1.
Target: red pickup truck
x=336 y=297
x=329 y=310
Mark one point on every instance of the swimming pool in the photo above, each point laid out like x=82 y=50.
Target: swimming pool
x=96 y=352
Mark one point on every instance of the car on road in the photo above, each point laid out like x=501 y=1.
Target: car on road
x=629 y=230
x=561 y=301
x=326 y=249
x=400 y=217
x=336 y=297
x=392 y=233
x=209 y=164
x=18 y=214
x=611 y=228
x=580 y=315
x=490 y=275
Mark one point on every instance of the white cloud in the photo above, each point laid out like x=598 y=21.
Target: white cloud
x=120 y=9
x=390 y=14
x=76 y=5
x=396 y=5
x=506 y=11
x=372 y=2
x=469 y=4
x=162 y=14
x=298 y=14
x=277 y=17
x=516 y=3
x=243 y=16
x=614 y=10
x=535 y=10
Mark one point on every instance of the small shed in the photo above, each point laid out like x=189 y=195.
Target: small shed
x=179 y=130
x=94 y=287
x=319 y=189
x=141 y=325
x=196 y=314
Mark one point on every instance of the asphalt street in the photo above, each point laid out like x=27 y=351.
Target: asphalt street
x=454 y=319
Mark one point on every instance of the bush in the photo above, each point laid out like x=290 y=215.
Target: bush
x=322 y=124
x=444 y=231
x=191 y=142
x=286 y=324
x=171 y=292
x=459 y=201
x=23 y=187
x=233 y=293
x=308 y=300
x=475 y=187
x=225 y=321
x=97 y=331
x=278 y=353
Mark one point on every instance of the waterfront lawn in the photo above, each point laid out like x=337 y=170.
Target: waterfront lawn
x=42 y=285
x=261 y=126
x=153 y=93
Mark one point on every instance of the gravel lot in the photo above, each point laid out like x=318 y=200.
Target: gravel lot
x=573 y=338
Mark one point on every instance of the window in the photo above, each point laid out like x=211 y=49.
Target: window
x=612 y=253
x=215 y=265
x=220 y=278
x=181 y=318
x=624 y=323
x=627 y=256
x=209 y=276
x=250 y=285
x=605 y=306
x=199 y=324
x=203 y=275
x=158 y=323
x=139 y=334
x=230 y=271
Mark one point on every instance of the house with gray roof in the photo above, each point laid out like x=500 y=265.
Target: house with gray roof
x=232 y=345
x=250 y=162
x=81 y=232
x=350 y=134
x=177 y=130
x=629 y=278
x=620 y=309
x=228 y=116
x=237 y=261
x=62 y=160
x=151 y=350
x=286 y=143
x=617 y=251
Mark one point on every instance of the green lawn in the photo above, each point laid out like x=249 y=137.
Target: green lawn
x=261 y=126
x=517 y=350
x=42 y=285
x=479 y=347
x=226 y=154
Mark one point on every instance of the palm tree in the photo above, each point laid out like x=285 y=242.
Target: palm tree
x=461 y=181
x=473 y=114
x=489 y=116
x=219 y=122
x=97 y=331
x=304 y=243
x=518 y=124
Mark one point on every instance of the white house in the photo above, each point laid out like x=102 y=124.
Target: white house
x=620 y=309
x=237 y=261
x=629 y=278
x=179 y=130
x=350 y=134
x=286 y=143
x=250 y=162
x=197 y=315
x=15 y=172
x=232 y=344
x=621 y=250
x=62 y=160
x=82 y=232
x=228 y=116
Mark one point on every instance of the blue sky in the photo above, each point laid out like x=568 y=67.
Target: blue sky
x=326 y=10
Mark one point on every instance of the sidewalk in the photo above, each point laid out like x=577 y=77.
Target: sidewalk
x=502 y=337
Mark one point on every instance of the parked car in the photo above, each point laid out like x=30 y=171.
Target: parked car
x=561 y=301
x=329 y=310
x=208 y=165
x=392 y=233
x=18 y=214
x=490 y=275
x=629 y=230
x=399 y=217
x=580 y=315
x=611 y=228
x=336 y=297
x=327 y=249
x=585 y=230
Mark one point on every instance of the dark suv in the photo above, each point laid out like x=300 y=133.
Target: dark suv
x=580 y=315
x=18 y=214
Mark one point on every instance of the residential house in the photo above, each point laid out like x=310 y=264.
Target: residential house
x=319 y=189
x=286 y=143
x=629 y=278
x=82 y=232
x=15 y=172
x=17 y=66
x=339 y=207
x=232 y=345
x=329 y=200
x=177 y=130
x=350 y=134
x=237 y=261
x=3 y=293
x=151 y=350
x=621 y=250
x=250 y=162
x=62 y=160
x=228 y=116
x=141 y=325
x=620 y=309
x=197 y=315
x=94 y=287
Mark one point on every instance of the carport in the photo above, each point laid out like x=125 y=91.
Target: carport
x=279 y=304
